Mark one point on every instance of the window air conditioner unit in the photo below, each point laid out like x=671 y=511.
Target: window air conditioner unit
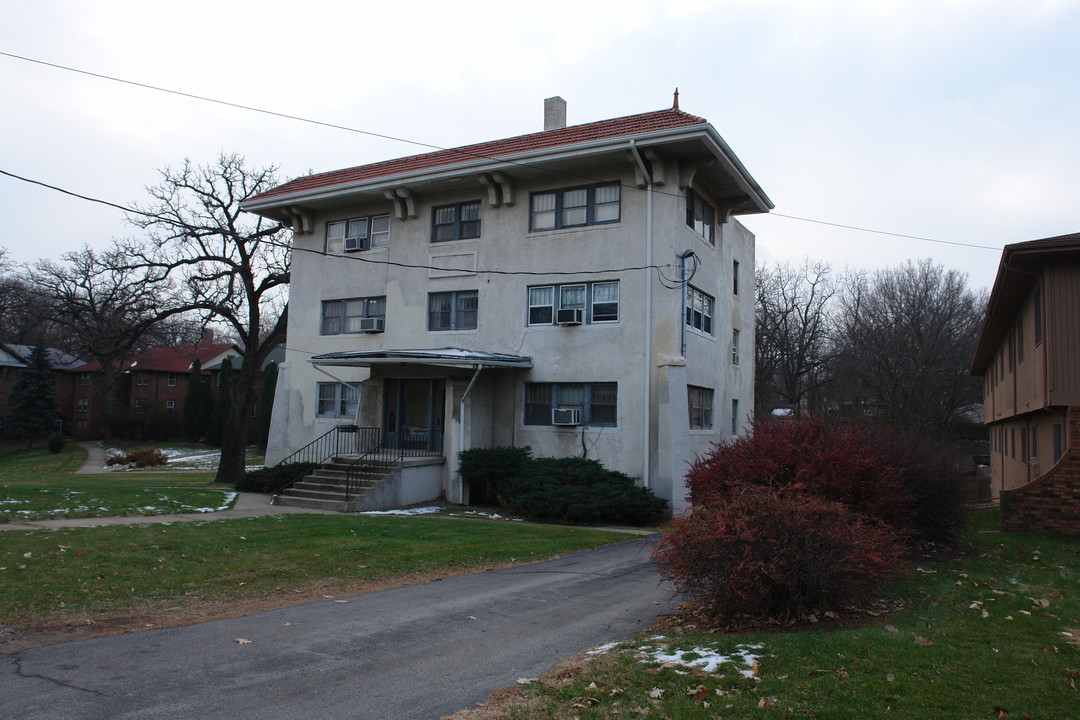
x=569 y=316
x=372 y=324
x=565 y=416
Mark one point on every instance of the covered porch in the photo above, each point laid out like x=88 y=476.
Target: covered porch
x=430 y=402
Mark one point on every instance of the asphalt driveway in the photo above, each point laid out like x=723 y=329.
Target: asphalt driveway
x=415 y=652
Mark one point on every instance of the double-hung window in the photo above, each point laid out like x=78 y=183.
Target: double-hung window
x=700 y=403
x=356 y=234
x=171 y=381
x=700 y=216
x=142 y=379
x=460 y=221
x=575 y=207
x=337 y=400
x=598 y=301
x=597 y=402
x=453 y=310
x=734 y=347
x=345 y=316
x=699 y=310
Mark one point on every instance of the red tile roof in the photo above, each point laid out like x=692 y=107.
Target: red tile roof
x=167 y=359
x=574 y=135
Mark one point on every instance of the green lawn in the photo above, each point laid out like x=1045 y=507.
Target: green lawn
x=38 y=485
x=55 y=573
x=992 y=634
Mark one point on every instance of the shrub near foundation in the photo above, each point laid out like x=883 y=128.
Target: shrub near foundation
x=582 y=491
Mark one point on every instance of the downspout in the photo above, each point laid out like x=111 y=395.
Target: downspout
x=682 y=311
x=461 y=430
x=647 y=433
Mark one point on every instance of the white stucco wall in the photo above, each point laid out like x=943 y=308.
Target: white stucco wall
x=588 y=353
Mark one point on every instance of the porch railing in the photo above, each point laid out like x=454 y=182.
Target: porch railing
x=394 y=448
x=339 y=440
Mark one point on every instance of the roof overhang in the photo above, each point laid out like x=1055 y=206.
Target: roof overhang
x=700 y=141
x=1020 y=268
x=444 y=357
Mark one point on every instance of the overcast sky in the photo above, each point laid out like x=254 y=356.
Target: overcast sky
x=956 y=120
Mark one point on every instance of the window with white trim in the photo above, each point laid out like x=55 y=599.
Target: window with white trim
x=84 y=379
x=170 y=406
x=700 y=404
x=734 y=347
x=575 y=207
x=599 y=301
x=82 y=405
x=456 y=310
x=343 y=316
x=142 y=379
x=356 y=234
x=699 y=310
x=597 y=402
x=700 y=216
x=171 y=381
x=337 y=400
x=460 y=221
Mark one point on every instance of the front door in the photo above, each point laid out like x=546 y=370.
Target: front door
x=413 y=413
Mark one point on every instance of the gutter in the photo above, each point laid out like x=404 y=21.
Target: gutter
x=647 y=433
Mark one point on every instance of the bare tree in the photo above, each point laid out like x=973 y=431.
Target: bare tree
x=794 y=324
x=106 y=311
x=228 y=265
x=907 y=336
x=23 y=316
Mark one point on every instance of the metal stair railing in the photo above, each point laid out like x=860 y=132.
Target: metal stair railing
x=338 y=440
x=393 y=449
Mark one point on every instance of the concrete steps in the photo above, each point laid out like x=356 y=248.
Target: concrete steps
x=324 y=487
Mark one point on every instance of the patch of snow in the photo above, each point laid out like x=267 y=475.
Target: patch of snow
x=601 y=649
x=705 y=659
x=404 y=511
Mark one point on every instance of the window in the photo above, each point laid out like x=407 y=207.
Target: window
x=170 y=406
x=735 y=277
x=700 y=403
x=82 y=405
x=734 y=347
x=699 y=310
x=460 y=221
x=358 y=234
x=734 y=418
x=598 y=402
x=575 y=207
x=84 y=379
x=1023 y=446
x=1057 y=441
x=171 y=381
x=1020 y=339
x=343 y=316
x=453 y=310
x=338 y=400
x=1012 y=442
x=142 y=379
x=700 y=216
x=1038 y=318
x=598 y=301
x=1034 y=443
x=1012 y=352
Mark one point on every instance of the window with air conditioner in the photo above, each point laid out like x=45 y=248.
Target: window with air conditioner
x=356 y=234
x=574 y=303
x=594 y=404
x=353 y=315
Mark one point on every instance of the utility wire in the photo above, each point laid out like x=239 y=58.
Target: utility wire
x=462 y=151
x=358 y=258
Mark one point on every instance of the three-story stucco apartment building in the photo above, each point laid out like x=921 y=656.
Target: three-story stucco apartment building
x=527 y=291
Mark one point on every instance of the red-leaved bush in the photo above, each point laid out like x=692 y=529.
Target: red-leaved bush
x=820 y=457
x=775 y=553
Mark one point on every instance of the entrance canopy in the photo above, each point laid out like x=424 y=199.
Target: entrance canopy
x=449 y=357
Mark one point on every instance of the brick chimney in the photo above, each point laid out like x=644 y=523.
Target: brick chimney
x=207 y=338
x=554 y=113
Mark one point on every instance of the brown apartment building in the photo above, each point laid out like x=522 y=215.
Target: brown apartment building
x=1029 y=358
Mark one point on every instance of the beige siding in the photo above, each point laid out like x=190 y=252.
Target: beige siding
x=1062 y=310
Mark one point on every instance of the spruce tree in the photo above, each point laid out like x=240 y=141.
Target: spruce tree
x=222 y=406
x=32 y=409
x=266 y=402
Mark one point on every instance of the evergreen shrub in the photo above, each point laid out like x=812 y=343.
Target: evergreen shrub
x=490 y=471
x=56 y=443
x=269 y=479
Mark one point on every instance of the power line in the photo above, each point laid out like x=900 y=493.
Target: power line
x=430 y=146
x=357 y=258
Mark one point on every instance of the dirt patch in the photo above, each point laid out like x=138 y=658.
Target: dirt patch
x=21 y=633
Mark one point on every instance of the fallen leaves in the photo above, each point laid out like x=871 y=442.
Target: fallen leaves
x=920 y=640
x=241 y=641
